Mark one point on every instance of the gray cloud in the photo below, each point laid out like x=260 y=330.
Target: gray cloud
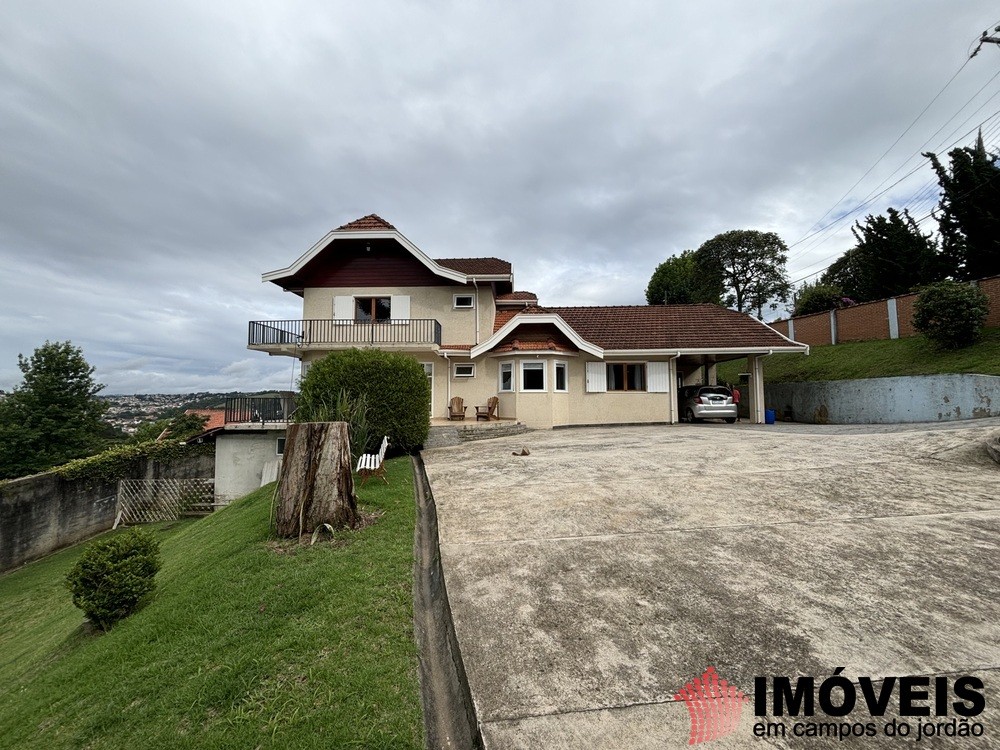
x=158 y=157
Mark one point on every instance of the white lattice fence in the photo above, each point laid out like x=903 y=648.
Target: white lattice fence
x=148 y=500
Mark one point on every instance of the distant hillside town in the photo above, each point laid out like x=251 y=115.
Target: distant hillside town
x=128 y=412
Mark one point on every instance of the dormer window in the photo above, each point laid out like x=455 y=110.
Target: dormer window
x=464 y=301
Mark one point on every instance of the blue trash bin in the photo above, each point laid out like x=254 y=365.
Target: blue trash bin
x=769 y=416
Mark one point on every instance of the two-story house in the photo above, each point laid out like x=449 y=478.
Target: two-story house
x=365 y=284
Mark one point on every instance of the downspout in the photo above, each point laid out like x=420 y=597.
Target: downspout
x=476 y=285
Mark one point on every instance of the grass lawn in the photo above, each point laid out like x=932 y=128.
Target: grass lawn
x=875 y=359
x=246 y=644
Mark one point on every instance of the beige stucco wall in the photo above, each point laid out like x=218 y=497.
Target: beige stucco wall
x=426 y=302
x=548 y=409
x=615 y=407
x=575 y=407
x=239 y=461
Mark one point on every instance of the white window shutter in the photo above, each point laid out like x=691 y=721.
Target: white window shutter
x=399 y=306
x=657 y=377
x=343 y=308
x=597 y=377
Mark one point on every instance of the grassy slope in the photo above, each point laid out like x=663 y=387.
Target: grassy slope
x=243 y=646
x=875 y=359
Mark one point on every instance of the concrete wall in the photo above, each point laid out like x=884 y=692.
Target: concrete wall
x=42 y=513
x=921 y=398
x=240 y=460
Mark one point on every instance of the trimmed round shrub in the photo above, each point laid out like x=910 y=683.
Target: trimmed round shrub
x=394 y=387
x=951 y=313
x=114 y=575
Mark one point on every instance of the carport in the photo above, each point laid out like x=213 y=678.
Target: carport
x=698 y=368
x=683 y=343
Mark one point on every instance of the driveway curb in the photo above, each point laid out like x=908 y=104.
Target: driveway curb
x=449 y=713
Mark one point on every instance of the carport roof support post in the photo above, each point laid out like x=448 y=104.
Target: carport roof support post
x=756 y=388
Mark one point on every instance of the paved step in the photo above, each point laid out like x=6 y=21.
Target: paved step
x=448 y=435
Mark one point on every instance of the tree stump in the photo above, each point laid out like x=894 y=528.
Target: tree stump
x=317 y=481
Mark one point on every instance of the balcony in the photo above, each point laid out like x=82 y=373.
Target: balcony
x=260 y=409
x=290 y=336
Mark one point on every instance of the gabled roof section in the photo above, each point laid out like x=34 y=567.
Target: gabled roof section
x=673 y=327
x=369 y=223
x=373 y=226
x=521 y=299
x=477 y=266
x=534 y=316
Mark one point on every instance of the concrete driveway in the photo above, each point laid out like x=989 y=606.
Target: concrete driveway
x=590 y=581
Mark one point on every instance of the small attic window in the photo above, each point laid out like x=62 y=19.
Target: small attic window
x=464 y=301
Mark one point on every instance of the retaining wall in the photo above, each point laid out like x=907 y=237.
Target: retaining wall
x=42 y=513
x=918 y=398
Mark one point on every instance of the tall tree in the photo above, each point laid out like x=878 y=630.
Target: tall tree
x=749 y=266
x=676 y=281
x=891 y=257
x=54 y=415
x=969 y=213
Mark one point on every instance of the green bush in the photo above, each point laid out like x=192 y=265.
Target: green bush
x=122 y=461
x=815 y=298
x=393 y=385
x=951 y=313
x=114 y=575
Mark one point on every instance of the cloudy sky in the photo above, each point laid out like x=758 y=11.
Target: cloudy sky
x=157 y=157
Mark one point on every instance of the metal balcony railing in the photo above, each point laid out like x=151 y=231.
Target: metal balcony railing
x=307 y=333
x=249 y=409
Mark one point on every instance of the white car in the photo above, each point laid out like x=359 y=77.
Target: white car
x=700 y=402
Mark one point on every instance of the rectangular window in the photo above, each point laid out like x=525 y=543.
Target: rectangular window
x=464 y=301
x=280 y=446
x=368 y=309
x=465 y=371
x=506 y=376
x=532 y=376
x=561 y=384
x=624 y=376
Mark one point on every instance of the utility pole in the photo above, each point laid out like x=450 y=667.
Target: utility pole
x=986 y=39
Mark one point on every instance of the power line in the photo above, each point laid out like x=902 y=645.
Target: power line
x=853 y=212
x=879 y=160
x=871 y=195
x=994 y=128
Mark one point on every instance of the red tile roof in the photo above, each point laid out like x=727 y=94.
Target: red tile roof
x=456 y=347
x=518 y=297
x=476 y=266
x=214 y=418
x=702 y=326
x=369 y=223
x=502 y=316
